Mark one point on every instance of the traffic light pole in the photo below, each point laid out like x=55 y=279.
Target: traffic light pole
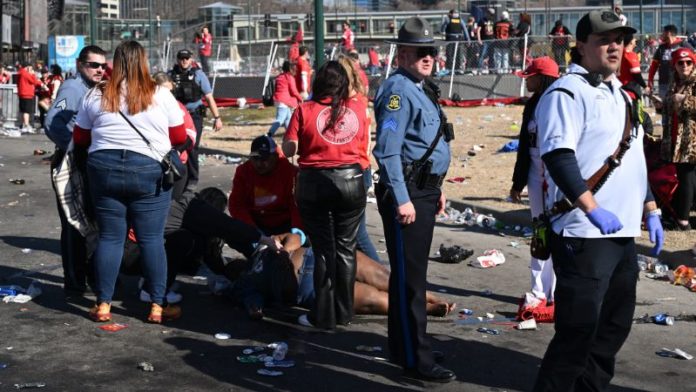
x=319 y=32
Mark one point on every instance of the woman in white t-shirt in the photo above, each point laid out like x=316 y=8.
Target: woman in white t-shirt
x=125 y=175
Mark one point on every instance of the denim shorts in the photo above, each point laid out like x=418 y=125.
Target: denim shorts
x=305 y=281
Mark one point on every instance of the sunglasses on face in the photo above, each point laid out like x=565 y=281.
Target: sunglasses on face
x=426 y=51
x=685 y=63
x=94 y=64
x=184 y=58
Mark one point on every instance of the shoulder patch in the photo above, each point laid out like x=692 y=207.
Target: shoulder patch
x=61 y=105
x=394 y=103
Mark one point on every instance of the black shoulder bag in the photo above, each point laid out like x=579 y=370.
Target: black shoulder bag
x=172 y=167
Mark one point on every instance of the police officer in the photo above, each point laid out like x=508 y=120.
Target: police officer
x=454 y=30
x=59 y=123
x=190 y=87
x=413 y=155
x=586 y=131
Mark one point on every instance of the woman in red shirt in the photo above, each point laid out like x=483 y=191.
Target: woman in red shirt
x=328 y=133
x=286 y=98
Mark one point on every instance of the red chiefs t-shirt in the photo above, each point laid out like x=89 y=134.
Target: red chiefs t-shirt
x=628 y=62
x=343 y=145
x=303 y=66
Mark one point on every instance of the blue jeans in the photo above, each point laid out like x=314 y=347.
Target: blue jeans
x=283 y=114
x=363 y=242
x=305 y=281
x=126 y=189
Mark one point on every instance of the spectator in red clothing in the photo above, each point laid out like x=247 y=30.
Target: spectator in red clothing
x=348 y=38
x=364 y=81
x=27 y=82
x=5 y=77
x=303 y=73
x=630 y=64
x=286 y=98
x=662 y=61
x=294 y=52
x=205 y=48
x=329 y=134
x=263 y=190
x=373 y=64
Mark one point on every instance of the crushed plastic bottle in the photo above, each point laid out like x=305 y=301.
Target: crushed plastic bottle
x=660 y=268
x=485 y=220
x=280 y=350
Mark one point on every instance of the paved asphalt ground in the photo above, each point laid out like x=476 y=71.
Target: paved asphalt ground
x=50 y=340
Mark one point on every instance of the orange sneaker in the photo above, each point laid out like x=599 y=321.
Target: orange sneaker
x=159 y=313
x=100 y=312
x=528 y=303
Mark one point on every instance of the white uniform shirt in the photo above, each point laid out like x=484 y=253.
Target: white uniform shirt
x=591 y=124
x=111 y=132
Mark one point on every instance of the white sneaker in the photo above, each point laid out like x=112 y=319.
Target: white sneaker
x=304 y=321
x=172 y=297
x=26 y=129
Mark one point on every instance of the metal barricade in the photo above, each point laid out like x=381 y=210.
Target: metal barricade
x=9 y=104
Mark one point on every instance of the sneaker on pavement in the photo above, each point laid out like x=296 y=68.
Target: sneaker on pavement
x=303 y=320
x=544 y=314
x=172 y=297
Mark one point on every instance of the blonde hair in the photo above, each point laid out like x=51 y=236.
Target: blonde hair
x=354 y=82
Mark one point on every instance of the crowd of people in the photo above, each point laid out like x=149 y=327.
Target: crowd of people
x=301 y=229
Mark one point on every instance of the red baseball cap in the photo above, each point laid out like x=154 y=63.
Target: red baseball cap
x=540 y=66
x=682 y=53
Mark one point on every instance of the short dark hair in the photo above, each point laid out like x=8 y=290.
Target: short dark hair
x=90 y=49
x=670 y=29
x=575 y=56
x=303 y=50
x=286 y=66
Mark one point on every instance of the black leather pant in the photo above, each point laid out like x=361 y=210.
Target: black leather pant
x=331 y=203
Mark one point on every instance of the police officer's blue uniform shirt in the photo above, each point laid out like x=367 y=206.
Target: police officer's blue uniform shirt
x=60 y=118
x=590 y=121
x=202 y=81
x=407 y=123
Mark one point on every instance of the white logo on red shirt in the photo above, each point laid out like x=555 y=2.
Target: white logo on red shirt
x=345 y=129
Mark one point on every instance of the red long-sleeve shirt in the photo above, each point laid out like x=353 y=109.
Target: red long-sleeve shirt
x=286 y=90
x=27 y=83
x=266 y=202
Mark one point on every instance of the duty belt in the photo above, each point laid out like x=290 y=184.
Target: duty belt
x=434 y=180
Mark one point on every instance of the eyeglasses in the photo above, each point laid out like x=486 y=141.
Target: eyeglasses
x=685 y=63
x=94 y=64
x=184 y=58
x=426 y=51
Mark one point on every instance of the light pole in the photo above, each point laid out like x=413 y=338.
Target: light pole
x=93 y=22
x=149 y=30
x=319 y=32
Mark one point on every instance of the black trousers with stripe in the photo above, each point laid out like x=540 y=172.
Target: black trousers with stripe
x=595 y=300
x=408 y=247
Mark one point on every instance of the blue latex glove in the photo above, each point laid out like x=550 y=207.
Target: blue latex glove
x=657 y=235
x=604 y=220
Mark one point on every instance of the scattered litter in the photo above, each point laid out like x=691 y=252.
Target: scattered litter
x=382 y=240
x=381 y=251
x=26 y=251
x=490 y=259
x=280 y=350
x=458 y=180
x=369 y=349
x=490 y=315
x=251 y=350
x=676 y=353
x=13 y=203
x=39 y=152
x=22 y=296
x=30 y=385
x=466 y=312
x=17 y=181
x=146 y=367
x=26 y=310
x=454 y=254
x=442 y=290
x=487 y=293
x=471 y=153
x=489 y=331
x=279 y=364
x=485 y=220
x=527 y=325
x=222 y=336
x=8 y=348
x=510 y=146
x=115 y=327
x=23 y=194
x=514 y=244
x=11 y=132
x=3 y=366
x=253 y=358
x=270 y=373
x=663 y=319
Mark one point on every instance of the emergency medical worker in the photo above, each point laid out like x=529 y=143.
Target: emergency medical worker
x=408 y=193
x=582 y=119
x=190 y=87
x=454 y=30
x=59 y=124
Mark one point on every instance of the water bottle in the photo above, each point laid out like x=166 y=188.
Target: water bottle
x=660 y=268
x=280 y=350
x=485 y=221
